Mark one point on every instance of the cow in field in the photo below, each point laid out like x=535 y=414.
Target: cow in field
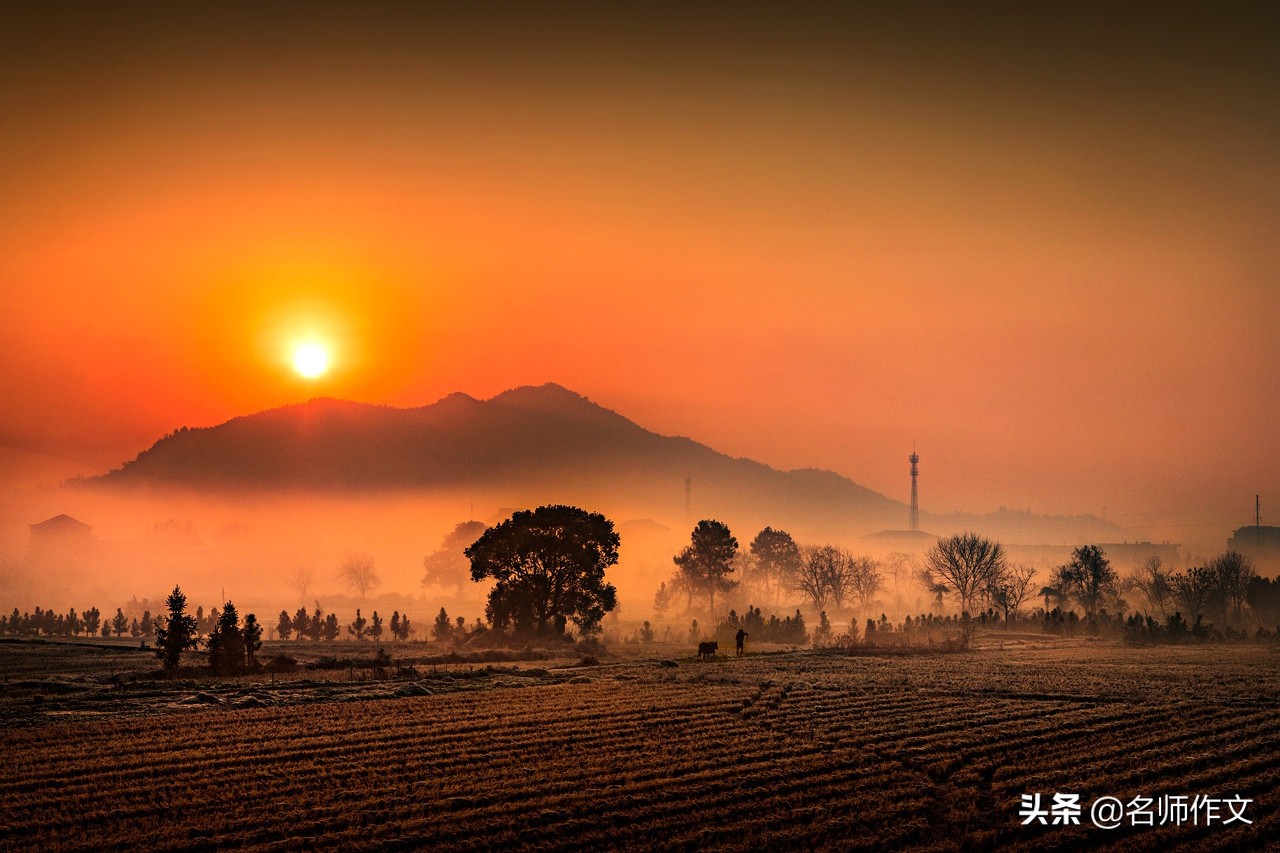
x=708 y=650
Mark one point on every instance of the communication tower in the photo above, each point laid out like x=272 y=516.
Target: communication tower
x=688 y=500
x=915 y=501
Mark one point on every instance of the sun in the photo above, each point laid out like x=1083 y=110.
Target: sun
x=310 y=360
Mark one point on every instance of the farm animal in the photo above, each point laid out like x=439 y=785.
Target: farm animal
x=708 y=649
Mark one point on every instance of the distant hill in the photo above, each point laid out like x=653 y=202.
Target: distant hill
x=524 y=447
x=530 y=444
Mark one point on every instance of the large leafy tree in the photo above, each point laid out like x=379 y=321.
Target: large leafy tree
x=447 y=566
x=175 y=633
x=965 y=564
x=549 y=566
x=777 y=557
x=708 y=559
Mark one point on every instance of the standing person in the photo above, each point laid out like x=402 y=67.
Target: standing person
x=742 y=636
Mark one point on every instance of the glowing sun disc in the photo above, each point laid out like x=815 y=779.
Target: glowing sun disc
x=310 y=360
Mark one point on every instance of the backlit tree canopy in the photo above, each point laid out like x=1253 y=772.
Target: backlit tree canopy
x=549 y=565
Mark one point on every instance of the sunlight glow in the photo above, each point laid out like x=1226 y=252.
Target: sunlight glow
x=310 y=360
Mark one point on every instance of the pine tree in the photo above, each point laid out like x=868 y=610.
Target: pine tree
x=302 y=624
x=442 y=630
x=357 y=627
x=375 y=626
x=252 y=640
x=395 y=625
x=175 y=634
x=284 y=627
x=226 y=643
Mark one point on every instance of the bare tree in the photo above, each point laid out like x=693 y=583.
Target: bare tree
x=896 y=567
x=1091 y=579
x=1233 y=572
x=1155 y=584
x=1011 y=589
x=1193 y=593
x=865 y=579
x=825 y=575
x=302 y=577
x=359 y=574
x=965 y=563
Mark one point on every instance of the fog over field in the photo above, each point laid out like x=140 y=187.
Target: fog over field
x=571 y=425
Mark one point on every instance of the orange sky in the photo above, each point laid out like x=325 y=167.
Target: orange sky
x=1041 y=247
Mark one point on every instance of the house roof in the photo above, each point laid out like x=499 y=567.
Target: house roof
x=61 y=522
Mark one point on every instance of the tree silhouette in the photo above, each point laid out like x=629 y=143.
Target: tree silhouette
x=823 y=574
x=1010 y=589
x=708 y=559
x=965 y=563
x=1090 y=578
x=1194 y=591
x=120 y=623
x=92 y=620
x=175 y=633
x=302 y=577
x=447 y=566
x=357 y=626
x=284 y=626
x=394 y=625
x=442 y=629
x=252 y=639
x=375 y=626
x=1233 y=572
x=549 y=565
x=661 y=599
x=778 y=558
x=865 y=580
x=226 y=643
x=359 y=574
x=302 y=624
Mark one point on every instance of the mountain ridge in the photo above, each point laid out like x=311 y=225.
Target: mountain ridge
x=520 y=439
x=524 y=446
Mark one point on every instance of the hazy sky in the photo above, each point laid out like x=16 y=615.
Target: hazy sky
x=1039 y=241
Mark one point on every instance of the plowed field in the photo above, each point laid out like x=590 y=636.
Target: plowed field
x=791 y=751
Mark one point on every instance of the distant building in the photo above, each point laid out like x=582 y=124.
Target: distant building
x=61 y=539
x=1131 y=555
x=906 y=541
x=1260 y=544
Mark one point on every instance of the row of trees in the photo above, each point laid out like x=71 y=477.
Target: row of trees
x=1218 y=591
x=233 y=647
x=321 y=626
x=828 y=576
x=91 y=623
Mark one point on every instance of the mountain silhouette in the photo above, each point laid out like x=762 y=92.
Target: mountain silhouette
x=529 y=444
